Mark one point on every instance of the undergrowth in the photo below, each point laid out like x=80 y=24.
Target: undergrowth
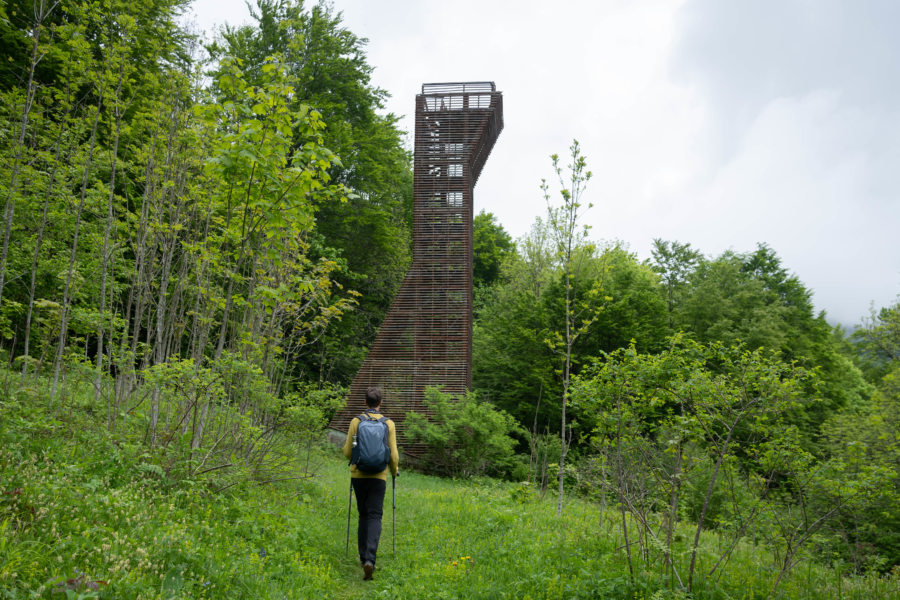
x=84 y=514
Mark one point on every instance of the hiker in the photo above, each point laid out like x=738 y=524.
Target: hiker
x=368 y=479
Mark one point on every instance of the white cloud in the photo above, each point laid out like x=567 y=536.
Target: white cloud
x=802 y=106
x=801 y=180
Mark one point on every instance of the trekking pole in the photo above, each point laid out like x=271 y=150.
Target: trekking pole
x=394 y=515
x=349 y=504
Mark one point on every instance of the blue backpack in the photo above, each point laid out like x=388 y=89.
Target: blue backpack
x=371 y=452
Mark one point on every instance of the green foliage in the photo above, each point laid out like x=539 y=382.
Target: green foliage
x=865 y=448
x=728 y=303
x=878 y=342
x=512 y=363
x=634 y=308
x=89 y=520
x=464 y=436
x=697 y=427
x=370 y=232
x=731 y=500
x=99 y=525
x=309 y=410
x=163 y=230
x=674 y=262
x=491 y=246
x=751 y=299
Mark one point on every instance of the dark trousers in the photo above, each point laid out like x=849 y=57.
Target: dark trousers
x=369 y=502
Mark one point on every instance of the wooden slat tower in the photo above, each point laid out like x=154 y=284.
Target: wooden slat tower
x=426 y=337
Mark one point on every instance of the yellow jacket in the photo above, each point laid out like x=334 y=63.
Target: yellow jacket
x=394 y=461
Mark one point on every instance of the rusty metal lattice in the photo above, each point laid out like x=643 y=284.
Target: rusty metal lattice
x=426 y=337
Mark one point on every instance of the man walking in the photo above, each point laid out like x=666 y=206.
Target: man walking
x=367 y=450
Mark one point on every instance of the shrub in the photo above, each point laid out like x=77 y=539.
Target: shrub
x=465 y=437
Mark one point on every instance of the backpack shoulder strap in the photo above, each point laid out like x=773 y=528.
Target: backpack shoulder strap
x=368 y=415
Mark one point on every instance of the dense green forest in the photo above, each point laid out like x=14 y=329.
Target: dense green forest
x=199 y=242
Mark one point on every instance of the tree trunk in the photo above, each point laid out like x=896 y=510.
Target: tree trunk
x=134 y=309
x=620 y=475
x=109 y=222
x=51 y=183
x=568 y=363
x=709 y=492
x=159 y=340
x=30 y=90
x=673 y=507
x=64 y=311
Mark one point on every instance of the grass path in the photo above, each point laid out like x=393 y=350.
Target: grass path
x=451 y=541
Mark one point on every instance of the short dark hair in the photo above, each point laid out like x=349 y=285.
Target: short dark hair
x=373 y=397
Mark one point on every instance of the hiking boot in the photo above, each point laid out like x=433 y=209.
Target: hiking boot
x=368 y=569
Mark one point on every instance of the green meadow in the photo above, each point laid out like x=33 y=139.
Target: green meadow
x=87 y=514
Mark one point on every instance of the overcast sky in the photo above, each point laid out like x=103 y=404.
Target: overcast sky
x=721 y=124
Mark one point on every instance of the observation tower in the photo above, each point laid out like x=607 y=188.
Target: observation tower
x=426 y=337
